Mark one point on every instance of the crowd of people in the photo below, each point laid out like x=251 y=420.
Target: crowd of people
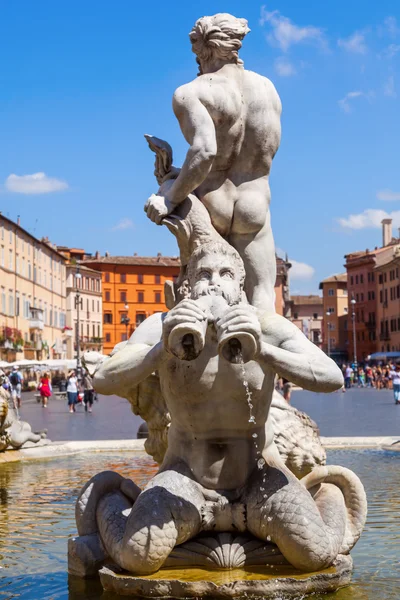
x=380 y=377
x=78 y=389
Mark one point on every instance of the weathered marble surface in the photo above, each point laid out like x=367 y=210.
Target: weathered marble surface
x=203 y=374
x=15 y=433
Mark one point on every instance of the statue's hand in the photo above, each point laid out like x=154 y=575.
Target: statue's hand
x=158 y=207
x=242 y=318
x=187 y=311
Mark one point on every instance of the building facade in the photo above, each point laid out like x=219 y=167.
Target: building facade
x=132 y=290
x=84 y=303
x=387 y=277
x=366 y=295
x=335 y=322
x=32 y=296
x=306 y=314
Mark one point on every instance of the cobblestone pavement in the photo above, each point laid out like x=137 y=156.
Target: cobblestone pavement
x=111 y=419
x=358 y=412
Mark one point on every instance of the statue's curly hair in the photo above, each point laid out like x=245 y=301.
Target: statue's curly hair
x=219 y=36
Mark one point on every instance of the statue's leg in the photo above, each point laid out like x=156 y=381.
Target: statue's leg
x=281 y=510
x=166 y=513
x=257 y=251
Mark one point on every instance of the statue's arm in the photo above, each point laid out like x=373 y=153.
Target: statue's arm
x=128 y=367
x=297 y=359
x=199 y=130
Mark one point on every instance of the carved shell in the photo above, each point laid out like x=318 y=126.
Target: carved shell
x=224 y=551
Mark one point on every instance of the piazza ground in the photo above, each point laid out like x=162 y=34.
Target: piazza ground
x=358 y=412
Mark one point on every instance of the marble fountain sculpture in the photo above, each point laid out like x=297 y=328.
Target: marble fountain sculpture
x=230 y=492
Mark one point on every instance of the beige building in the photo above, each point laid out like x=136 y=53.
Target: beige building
x=306 y=314
x=32 y=296
x=336 y=318
x=84 y=287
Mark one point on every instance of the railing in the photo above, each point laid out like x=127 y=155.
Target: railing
x=36 y=324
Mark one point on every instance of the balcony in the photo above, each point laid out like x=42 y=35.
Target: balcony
x=384 y=336
x=370 y=324
x=36 y=321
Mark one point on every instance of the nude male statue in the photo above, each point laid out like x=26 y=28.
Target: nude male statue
x=214 y=447
x=231 y=119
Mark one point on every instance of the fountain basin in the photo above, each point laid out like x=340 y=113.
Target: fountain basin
x=255 y=582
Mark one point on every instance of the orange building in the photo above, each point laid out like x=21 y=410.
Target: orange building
x=335 y=316
x=282 y=295
x=133 y=289
x=388 y=300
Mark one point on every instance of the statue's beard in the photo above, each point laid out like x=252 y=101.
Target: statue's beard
x=216 y=291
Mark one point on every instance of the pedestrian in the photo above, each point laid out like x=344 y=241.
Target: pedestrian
x=45 y=389
x=72 y=391
x=16 y=380
x=348 y=372
x=88 y=392
x=395 y=377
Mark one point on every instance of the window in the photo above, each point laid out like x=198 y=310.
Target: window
x=108 y=318
x=344 y=292
x=331 y=310
x=10 y=260
x=345 y=309
x=108 y=337
x=140 y=317
x=380 y=278
x=362 y=297
x=107 y=294
x=123 y=337
x=122 y=296
x=331 y=292
x=296 y=315
x=157 y=278
x=140 y=297
x=122 y=277
x=157 y=297
x=11 y=305
x=361 y=278
x=107 y=277
x=140 y=278
x=356 y=279
x=372 y=277
x=351 y=280
x=315 y=316
x=98 y=306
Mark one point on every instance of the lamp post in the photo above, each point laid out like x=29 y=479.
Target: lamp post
x=125 y=320
x=78 y=277
x=353 y=318
x=328 y=314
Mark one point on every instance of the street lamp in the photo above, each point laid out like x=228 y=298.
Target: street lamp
x=328 y=314
x=125 y=320
x=353 y=318
x=78 y=276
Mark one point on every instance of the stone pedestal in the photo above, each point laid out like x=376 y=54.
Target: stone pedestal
x=252 y=582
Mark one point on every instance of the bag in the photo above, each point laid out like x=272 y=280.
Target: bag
x=14 y=379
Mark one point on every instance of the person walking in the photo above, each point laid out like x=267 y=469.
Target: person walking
x=88 y=392
x=16 y=380
x=45 y=389
x=72 y=391
x=287 y=390
x=347 y=377
x=395 y=377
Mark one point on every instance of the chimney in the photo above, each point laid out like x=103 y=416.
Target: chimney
x=97 y=255
x=18 y=220
x=386 y=232
x=107 y=254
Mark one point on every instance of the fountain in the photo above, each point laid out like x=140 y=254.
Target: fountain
x=228 y=513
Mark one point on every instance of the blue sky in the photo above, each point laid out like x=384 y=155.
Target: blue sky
x=81 y=82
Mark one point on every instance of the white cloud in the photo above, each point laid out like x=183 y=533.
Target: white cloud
x=388 y=195
x=370 y=218
x=284 y=68
x=37 y=183
x=285 y=33
x=388 y=88
x=124 y=223
x=355 y=43
x=344 y=103
x=391 y=26
x=391 y=51
x=300 y=270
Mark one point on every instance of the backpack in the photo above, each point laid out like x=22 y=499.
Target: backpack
x=14 y=379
